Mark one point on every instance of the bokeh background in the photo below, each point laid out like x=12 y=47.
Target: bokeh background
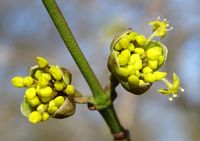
x=26 y=31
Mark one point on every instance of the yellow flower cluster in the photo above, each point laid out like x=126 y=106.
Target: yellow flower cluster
x=47 y=89
x=134 y=60
x=137 y=64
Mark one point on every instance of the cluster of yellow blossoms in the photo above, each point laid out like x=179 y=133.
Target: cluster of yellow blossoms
x=135 y=60
x=48 y=88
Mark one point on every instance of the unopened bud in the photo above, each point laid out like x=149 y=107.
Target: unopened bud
x=132 y=36
x=55 y=72
x=18 y=81
x=139 y=51
x=118 y=47
x=154 y=53
x=134 y=58
x=70 y=90
x=38 y=74
x=153 y=64
x=35 y=117
x=122 y=60
x=42 y=62
x=30 y=93
x=131 y=47
x=149 y=77
x=134 y=80
x=58 y=86
x=59 y=101
x=52 y=109
x=159 y=75
x=141 y=40
x=146 y=70
x=34 y=102
x=45 y=116
x=28 y=81
x=45 y=91
x=47 y=76
x=42 y=108
x=124 y=41
x=42 y=81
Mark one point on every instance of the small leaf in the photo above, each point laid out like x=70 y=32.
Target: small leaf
x=66 y=75
x=26 y=108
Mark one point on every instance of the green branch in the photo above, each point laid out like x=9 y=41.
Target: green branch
x=100 y=96
x=74 y=49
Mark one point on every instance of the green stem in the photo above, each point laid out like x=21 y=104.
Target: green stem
x=101 y=98
x=74 y=49
x=111 y=119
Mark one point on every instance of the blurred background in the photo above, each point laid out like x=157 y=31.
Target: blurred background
x=26 y=31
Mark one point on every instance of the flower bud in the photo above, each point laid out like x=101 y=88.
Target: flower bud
x=45 y=116
x=126 y=53
x=30 y=93
x=42 y=81
x=52 y=103
x=137 y=65
x=59 y=101
x=38 y=74
x=154 y=53
x=45 y=91
x=52 y=109
x=124 y=42
x=134 y=58
x=42 y=108
x=34 y=102
x=118 y=47
x=146 y=70
x=45 y=99
x=35 y=117
x=47 y=76
x=149 y=77
x=42 y=62
x=122 y=60
x=28 y=81
x=18 y=81
x=153 y=64
x=132 y=36
x=159 y=75
x=141 y=40
x=70 y=90
x=55 y=72
x=131 y=47
x=58 y=86
x=134 y=80
x=139 y=51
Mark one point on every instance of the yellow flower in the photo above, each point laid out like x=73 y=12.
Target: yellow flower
x=160 y=28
